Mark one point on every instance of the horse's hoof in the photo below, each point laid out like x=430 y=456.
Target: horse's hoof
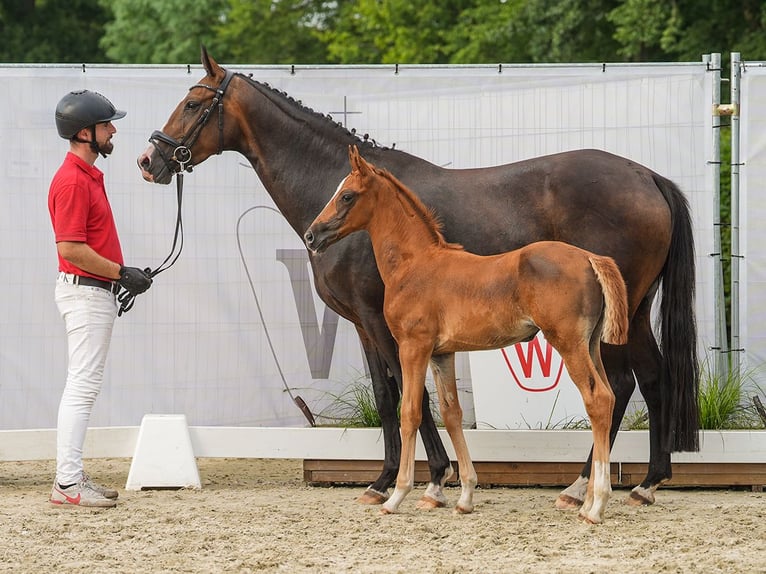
x=372 y=497
x=428 y=503
x=589 y=519
x=641 y=497
x=386 y=511
x=566 y=502
x=463 y=509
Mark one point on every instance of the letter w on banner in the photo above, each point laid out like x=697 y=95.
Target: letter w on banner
x=524 y=386
x=535 y=366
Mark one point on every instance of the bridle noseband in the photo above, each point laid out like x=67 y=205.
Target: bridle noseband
x=181 y=160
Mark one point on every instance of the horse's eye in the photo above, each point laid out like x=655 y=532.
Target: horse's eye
x=191 y=105
x=347 y=197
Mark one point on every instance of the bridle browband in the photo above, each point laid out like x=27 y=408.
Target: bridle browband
x=181 y=160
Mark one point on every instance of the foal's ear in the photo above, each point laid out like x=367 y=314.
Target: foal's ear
x=357 y=161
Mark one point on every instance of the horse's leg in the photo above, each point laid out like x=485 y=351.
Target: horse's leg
x=386 y=387
x=586 y=371
x=620 y=377
x=414 y=361
x=646 y=359
x=386 y=391
x=443 y=368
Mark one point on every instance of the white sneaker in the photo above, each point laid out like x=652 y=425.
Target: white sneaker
x=102 y=490
x=80 y=494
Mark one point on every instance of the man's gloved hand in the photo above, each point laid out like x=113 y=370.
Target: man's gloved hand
x=134 y=280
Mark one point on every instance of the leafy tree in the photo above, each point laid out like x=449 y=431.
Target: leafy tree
x=273 y=32
x=52 y=31
x=488 y=32
x=568 y=30
x=394 y=31
x=160 y=31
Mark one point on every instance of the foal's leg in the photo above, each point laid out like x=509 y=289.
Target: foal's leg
x=443 y=368
x=599 y=404
x=414 y=361
x=382 y=354
x=620 y=377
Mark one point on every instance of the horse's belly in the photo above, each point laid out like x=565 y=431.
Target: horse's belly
x=483 y=335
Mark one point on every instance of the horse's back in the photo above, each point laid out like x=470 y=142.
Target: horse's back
x=593 y=199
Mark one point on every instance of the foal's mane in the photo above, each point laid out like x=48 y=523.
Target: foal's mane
x=426 y=214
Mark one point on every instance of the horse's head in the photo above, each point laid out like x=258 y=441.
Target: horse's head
x=348 y=210
x=189 y=136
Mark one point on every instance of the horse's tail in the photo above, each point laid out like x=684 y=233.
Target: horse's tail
x=679 y=369
x=615 y=328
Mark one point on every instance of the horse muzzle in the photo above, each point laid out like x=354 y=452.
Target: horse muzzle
x=153 y=167
x=319 y=237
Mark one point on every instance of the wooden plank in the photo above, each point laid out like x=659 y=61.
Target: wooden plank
x=361 y=472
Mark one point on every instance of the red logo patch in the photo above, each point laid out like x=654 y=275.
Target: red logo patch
x=534 y=366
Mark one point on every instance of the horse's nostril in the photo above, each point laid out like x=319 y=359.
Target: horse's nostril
x=309 y=237
x=145 y=162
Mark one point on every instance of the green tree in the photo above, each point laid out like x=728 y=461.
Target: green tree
x=160 y=31
x=643 y=28
x=273 y=32
x=52 y=31
x=394 y=31
x=568 y=30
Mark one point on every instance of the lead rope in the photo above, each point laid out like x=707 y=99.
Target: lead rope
x=299 y=402
x=127 y=299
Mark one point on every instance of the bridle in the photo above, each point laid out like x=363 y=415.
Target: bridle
x=181 y=161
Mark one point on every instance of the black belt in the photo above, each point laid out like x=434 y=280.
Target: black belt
x=110 y=286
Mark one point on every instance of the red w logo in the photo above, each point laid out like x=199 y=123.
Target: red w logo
x=537 y=351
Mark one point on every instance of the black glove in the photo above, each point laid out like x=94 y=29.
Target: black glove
x=134 y=280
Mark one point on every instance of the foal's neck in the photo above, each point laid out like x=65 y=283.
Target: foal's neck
x=402 y=231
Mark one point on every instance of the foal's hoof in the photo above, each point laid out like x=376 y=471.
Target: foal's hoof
x=372 y=497
x=566 y=502
x=428 y=503
x=589 y=519
x=463 y=509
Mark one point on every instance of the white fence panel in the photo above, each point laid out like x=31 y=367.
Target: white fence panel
x=194 y=343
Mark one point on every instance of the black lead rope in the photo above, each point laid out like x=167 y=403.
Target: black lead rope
x=124 y=297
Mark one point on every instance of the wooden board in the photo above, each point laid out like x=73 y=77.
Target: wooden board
x=364 y=472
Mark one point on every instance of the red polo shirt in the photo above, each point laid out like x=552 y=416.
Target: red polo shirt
x=80 y=211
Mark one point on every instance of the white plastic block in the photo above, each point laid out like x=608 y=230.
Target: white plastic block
x=164 y=457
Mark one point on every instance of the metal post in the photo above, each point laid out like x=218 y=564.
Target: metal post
x=720 y=348
x=736 y=74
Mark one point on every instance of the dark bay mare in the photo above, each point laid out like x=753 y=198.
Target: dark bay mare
x=600 y=202
x=441 y=299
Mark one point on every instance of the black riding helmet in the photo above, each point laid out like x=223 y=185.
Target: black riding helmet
x=82 y=109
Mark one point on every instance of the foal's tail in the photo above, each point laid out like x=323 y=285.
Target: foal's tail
x=615 y=330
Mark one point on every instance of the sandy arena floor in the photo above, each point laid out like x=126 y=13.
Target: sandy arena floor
x=258 y=516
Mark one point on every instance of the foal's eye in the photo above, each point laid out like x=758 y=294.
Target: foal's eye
x=347 y=197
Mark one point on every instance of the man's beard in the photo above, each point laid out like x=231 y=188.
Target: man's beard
x=106 y=148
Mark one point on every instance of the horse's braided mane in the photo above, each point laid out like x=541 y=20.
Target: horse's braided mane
x=364 y=141
x=425 y=213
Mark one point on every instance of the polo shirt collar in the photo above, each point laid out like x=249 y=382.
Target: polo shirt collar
x=91 y=170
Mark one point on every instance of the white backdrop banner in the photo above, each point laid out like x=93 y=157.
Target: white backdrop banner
x=752 y=216
x=195 y=344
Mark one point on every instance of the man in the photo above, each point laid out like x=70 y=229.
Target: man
x=91 y=272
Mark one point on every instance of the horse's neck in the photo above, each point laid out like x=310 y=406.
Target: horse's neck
x=399 y=234
x=298 y=168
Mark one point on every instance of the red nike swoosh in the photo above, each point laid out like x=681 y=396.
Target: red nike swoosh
x=71 y=499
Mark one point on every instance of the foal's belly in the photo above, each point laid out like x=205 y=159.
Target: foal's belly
x=483 y=336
